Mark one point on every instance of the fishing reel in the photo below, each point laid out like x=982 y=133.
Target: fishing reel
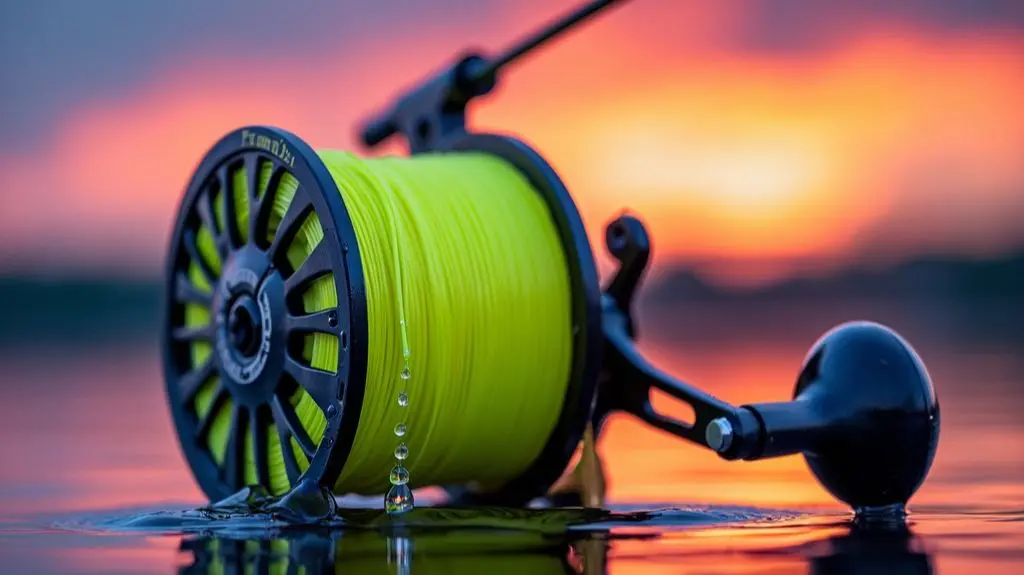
x=864 y=412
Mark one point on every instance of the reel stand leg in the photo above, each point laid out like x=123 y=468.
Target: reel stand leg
x=864 y=414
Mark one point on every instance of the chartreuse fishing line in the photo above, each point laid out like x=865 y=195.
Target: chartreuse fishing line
x=378 y=324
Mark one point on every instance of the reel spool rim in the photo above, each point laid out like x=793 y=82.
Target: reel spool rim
x=581 y=390
x=316 y=183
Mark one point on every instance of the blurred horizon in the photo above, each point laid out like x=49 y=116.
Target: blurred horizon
x=797 y=165
x=760 y=141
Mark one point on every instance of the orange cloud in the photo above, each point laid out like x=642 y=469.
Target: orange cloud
x=727 y=156
x=772 y=158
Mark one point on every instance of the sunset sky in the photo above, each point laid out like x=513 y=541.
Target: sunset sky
x=757 y=138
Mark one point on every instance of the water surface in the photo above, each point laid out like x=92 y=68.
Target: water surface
x=92 y=480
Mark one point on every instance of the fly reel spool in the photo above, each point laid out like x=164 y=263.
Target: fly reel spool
x=238 y=369
x=254 y=365
x=869 y=432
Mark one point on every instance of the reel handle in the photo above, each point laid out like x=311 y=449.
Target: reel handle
x=864 y=413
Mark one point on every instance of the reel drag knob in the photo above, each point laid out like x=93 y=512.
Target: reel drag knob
x=864 y=414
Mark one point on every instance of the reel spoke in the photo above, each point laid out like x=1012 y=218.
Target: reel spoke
x=296 y=213
x=193 y=380
x=286 y=419
x=204 y=207
x=291 y=465
x=259 y=447
x=187 y=292
x=321 y=385
x=220 y=397
x=324 y=321
x=233 y=455
x=189 y=239
x=252 y=177
x=317 y=264
x=251 y=169
x=194 y=333
x=232 y=236
x=259 y=215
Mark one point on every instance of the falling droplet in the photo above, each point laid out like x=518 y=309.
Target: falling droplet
x=406 y=374
x=398 y=500
x=400 y=429
x=399 y=475
x=401 y=452
x=403 y=399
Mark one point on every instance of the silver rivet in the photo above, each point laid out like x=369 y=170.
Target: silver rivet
x=718 y=434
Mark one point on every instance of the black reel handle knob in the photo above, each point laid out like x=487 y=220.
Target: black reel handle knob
x=864 y=414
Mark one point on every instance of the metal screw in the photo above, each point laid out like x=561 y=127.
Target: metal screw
x=719 y=434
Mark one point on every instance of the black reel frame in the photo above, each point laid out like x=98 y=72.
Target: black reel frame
x=865 y=413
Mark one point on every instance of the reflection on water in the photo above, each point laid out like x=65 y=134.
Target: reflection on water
x=87 y=435
x=363 y=553
x=812 y=546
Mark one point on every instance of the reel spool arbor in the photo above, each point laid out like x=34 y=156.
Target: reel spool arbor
x=864 y=413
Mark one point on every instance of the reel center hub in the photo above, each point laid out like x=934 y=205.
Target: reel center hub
x=250 y=339
x=245 y=326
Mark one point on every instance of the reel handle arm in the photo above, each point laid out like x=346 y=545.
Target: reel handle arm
x=629 y=377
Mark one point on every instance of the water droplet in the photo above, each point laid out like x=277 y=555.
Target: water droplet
x=332 y=319
x=401 y=452
x=400 y=429
x=398 y=500
x=403 y=399
x=331 y=410
x=406 y=374
x=399 y=475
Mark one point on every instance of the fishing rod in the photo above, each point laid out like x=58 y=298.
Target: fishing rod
x=436 y=108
